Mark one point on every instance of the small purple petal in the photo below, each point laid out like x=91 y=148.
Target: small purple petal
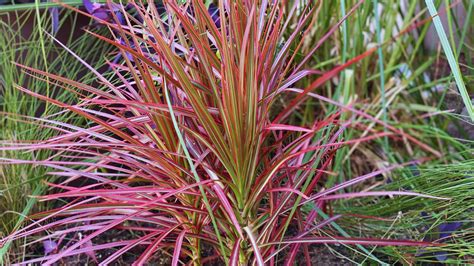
x=116 y=7
x=446 y=229
x=121 y=41
x=55 y=19
x=441 y=256
x=117 y=59
x=101 y=13
x=120 y=18
x=88 y=5
x=49 y=246
x=129 y=56
x=214 y=13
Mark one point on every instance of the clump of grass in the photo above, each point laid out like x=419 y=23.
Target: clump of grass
x=190 y=146
x=444 y=222
x=17 y=123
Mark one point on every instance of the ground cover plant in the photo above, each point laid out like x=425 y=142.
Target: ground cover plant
x=222 y=133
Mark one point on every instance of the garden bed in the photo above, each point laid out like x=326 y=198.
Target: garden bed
x=249 y=133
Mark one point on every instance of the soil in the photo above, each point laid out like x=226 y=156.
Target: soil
x=462 y=127
x=322 y=255
x=319 y=254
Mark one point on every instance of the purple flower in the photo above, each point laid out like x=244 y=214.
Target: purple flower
x=446 y=229
x=54 y=18
x=49 y=246
x=91 y=7
x=102 y=11
x=214 y=12
x=441 y=255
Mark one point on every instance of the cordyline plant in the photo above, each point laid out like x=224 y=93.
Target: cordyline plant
x=189 y=147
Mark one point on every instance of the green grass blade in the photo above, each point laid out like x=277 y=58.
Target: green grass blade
x=29 y=206
x=42 y=45
x=451 y=59
x=381 y=69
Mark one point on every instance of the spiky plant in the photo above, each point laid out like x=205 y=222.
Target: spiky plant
x=190 y=148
